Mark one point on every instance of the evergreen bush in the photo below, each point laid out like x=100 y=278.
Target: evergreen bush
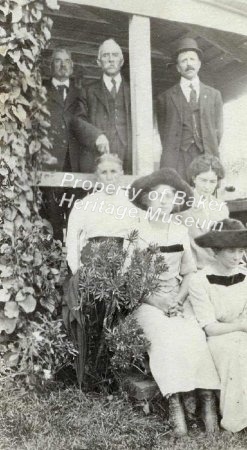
x=113 y=283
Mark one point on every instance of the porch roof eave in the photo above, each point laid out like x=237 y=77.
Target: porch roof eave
x=206 y=13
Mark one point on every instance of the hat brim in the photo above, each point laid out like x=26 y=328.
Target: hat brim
x=223 y=239
x=189 y=49
x=166 y=176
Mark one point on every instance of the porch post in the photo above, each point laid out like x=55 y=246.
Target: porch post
x=141 y=94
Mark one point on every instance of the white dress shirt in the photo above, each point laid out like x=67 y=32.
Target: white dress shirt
x=186 y=89
x=108 y=81
x=57 y=83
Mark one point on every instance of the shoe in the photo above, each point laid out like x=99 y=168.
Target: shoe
x=177 y=416
x=208 y=410
x=189 y=402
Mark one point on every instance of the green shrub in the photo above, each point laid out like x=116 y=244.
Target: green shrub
x=37 y=352
x=113 y=283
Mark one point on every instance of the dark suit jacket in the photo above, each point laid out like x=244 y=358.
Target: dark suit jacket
x=95 y=102
x=61 y=132
x=170 y=122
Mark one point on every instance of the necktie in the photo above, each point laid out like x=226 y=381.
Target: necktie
x=62 y=89
x=114 y=88
x=193 y=96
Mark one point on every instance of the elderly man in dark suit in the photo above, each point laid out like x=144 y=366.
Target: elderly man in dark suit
x=190 y=114
x=64 y=102
x=107 y=102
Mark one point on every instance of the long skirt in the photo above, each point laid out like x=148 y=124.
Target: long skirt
x=229 y=352
x=179 y=358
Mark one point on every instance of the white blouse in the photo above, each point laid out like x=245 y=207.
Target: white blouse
x=213 y=302
x=98 y=214
x=180 y=261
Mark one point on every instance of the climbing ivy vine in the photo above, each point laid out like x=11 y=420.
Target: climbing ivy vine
x=29 y=257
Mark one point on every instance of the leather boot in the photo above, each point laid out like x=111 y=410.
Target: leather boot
x=177 y=416
x=208 y=410
x=189 y=402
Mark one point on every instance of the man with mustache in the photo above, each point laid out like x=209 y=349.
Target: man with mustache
x=64 y=102
x=107 y=102
x=190 y=114
x=68 y=153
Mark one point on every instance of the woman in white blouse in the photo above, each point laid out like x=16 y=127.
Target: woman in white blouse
x=179 y=358
x=107 y=212
x=104 y=214
x=218 y=294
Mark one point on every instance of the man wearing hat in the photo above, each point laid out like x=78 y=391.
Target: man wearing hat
x=190 y=114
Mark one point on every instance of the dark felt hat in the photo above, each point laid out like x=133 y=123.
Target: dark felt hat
x=146 y=184
x=229 y=233
x=187 y=44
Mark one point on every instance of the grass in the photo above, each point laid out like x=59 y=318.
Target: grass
x=67 y=419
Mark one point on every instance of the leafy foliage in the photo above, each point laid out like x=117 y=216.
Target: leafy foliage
x=41 y=350
x=127 y=345
x=29 y=257
x=114 y=281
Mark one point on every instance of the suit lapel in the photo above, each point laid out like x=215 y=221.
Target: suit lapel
x=176 y=95
x=203 y=97
x=100 y=93
x=126 y=96
x=71 y=96
x=54 y=95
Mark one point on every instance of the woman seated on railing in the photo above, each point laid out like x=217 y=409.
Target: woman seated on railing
x=218 y=294
x=179 y=358
x=105 y=214
x=205 y=174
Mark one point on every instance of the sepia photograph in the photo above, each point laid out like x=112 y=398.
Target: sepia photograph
x=123 y=224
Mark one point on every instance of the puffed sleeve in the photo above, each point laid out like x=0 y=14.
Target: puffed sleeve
x=188 y=264
x=200 y=300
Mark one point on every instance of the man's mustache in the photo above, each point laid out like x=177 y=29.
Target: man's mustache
x=190 y=68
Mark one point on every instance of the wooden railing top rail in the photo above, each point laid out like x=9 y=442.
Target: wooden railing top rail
x=76 y=179
x=79 y=180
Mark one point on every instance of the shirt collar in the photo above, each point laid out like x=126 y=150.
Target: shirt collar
x=57 y=83
x=108 y=82
x=184 y=82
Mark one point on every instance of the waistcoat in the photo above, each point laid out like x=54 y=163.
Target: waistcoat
x=117 y=116
x=191 y=133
